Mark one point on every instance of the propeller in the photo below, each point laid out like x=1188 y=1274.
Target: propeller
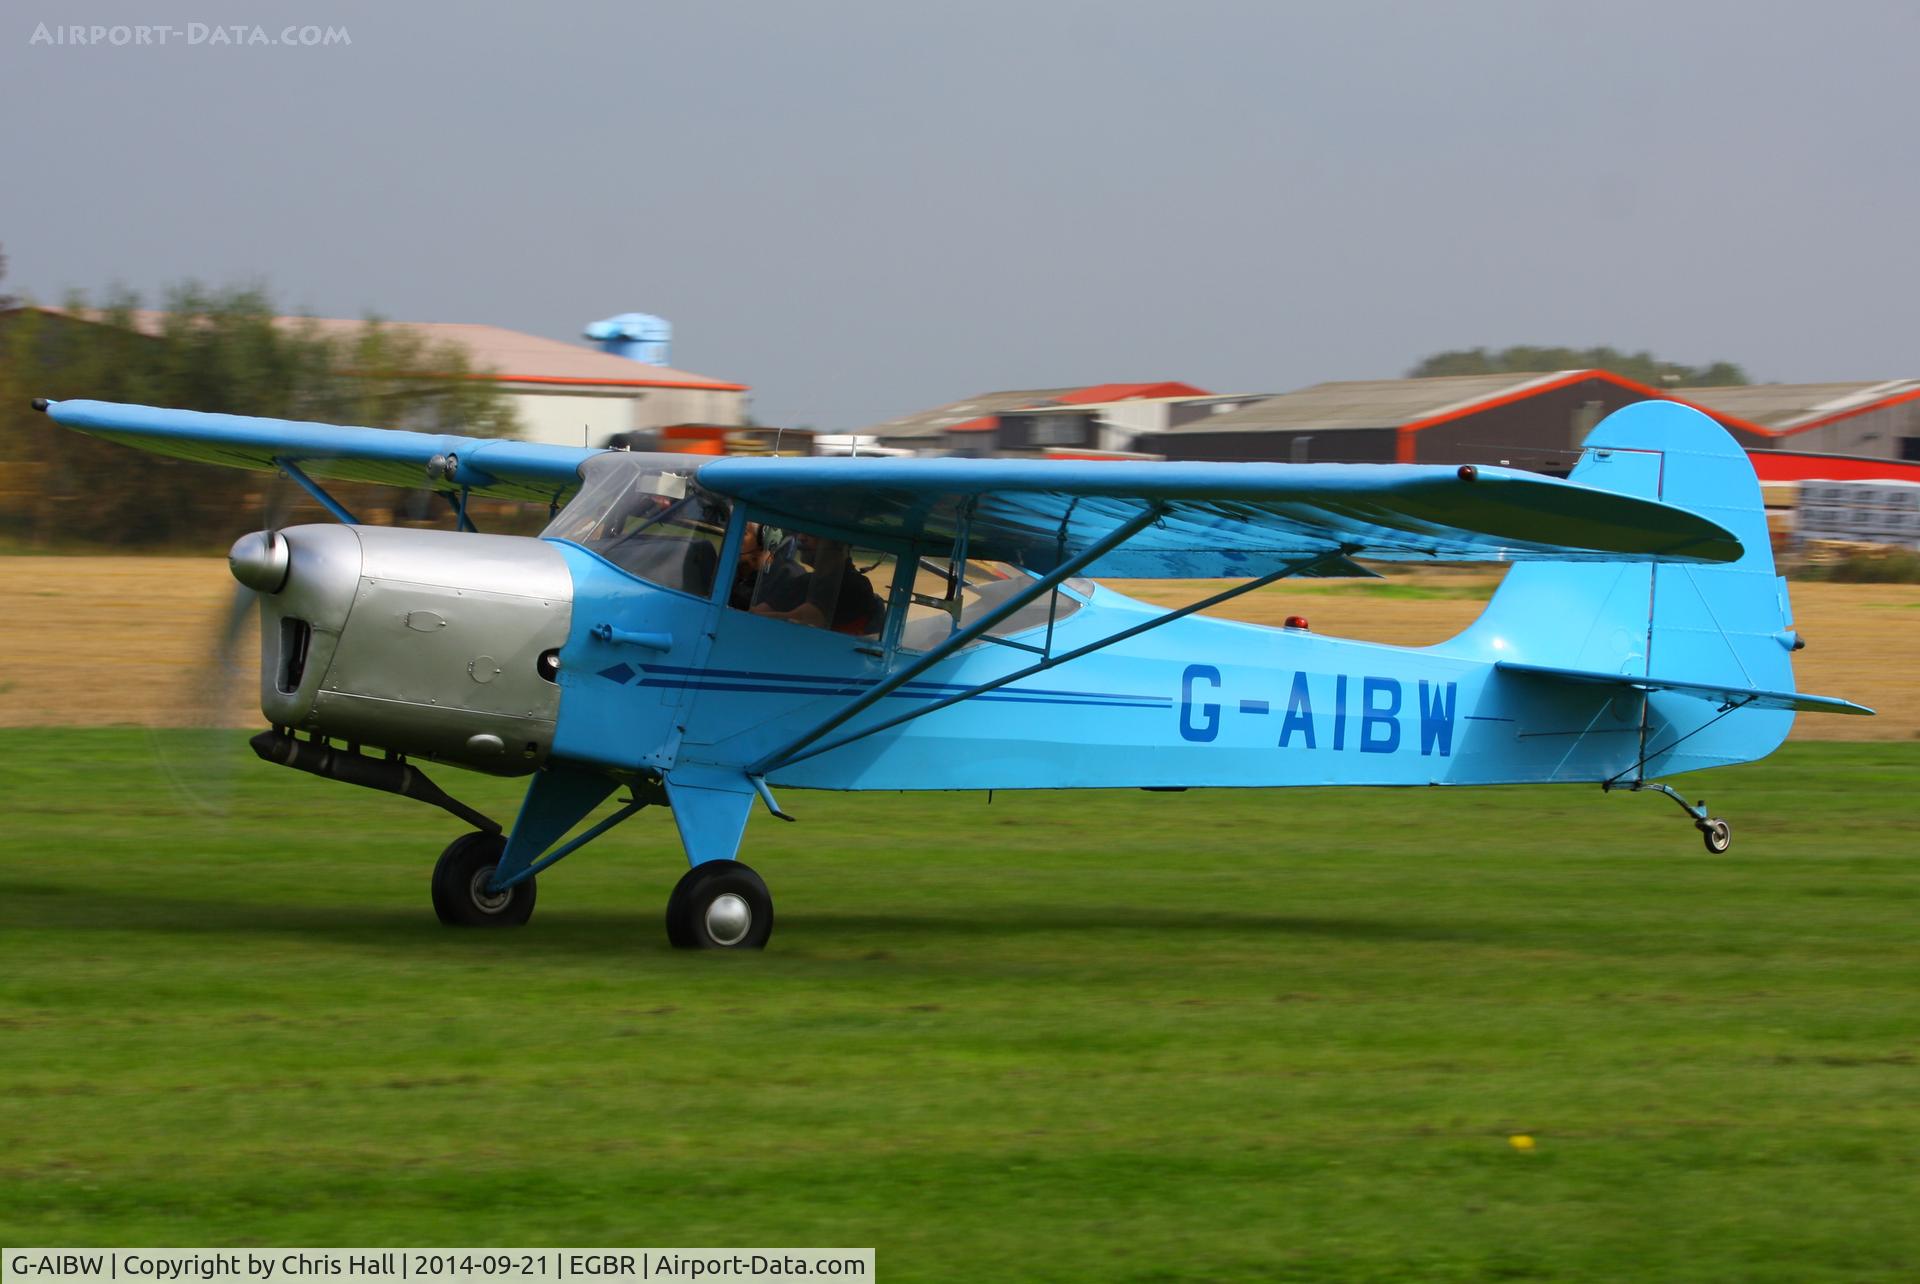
x=197 y=752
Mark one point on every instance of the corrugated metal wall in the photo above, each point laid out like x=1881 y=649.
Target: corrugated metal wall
x=1882 y=433
x=1542 y=432
x=1304 y=446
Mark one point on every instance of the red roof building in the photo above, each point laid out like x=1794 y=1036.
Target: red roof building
x=564 y=393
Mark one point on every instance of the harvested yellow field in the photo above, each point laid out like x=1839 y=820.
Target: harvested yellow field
x=100 y=641
x=122 y=641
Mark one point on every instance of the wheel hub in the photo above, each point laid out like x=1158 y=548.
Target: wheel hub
x=729 y=919
x=485 y=901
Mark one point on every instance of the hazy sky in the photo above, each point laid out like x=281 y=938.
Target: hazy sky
x=864 y=209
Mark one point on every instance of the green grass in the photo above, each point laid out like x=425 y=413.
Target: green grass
x=1121 y=1036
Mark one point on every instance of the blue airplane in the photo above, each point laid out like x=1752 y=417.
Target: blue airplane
x=698 y=632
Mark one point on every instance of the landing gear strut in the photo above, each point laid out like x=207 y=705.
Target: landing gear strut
x=460 y=878
x=720 y=905
x=1715 y=832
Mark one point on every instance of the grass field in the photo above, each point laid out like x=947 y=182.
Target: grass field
x=1137 y=1037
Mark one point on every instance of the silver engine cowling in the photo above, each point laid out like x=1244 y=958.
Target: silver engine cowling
x=432 y=644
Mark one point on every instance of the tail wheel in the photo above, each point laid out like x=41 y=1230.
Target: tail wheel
x=720 y=905
x=1717 y=834
x=460 y=878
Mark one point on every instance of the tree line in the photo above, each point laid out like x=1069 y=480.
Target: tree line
x=223 y=350
x=1524 y=359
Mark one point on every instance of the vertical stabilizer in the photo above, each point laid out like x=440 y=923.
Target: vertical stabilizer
x=1729 y=624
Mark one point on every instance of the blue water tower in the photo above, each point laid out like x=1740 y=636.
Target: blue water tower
x=637 y=336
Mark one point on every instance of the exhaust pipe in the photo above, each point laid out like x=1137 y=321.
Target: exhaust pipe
x=389 y=775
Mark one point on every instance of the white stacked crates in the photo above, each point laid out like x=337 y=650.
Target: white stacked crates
x=1861 y=512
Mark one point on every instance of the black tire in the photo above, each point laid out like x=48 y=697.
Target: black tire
x=709 y=904
x=459 y=882
x=1717 y=834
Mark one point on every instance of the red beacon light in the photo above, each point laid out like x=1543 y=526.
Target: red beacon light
x=1297 y=622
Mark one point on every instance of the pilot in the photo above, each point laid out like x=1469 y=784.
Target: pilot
x=754 y=556
x=833 y=594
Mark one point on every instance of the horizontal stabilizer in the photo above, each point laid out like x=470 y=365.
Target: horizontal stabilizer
x=1721 y=693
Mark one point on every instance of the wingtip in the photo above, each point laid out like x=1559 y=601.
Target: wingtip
x=41 y=404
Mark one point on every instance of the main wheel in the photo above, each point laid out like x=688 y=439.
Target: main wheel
x=460 y=895
x=720 y=905
x=1717 y=834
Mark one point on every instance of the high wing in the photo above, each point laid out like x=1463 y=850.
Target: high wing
x=1229 y=520
x=1225 y=520
x=490 y=466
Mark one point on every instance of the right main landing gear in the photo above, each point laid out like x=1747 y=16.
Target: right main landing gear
x=720 y=905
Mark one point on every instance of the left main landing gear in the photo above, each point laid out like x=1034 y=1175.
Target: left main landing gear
x=720 y=905
x=460 y=895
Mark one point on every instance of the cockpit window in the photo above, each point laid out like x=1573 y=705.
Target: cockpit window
x=943 y=603
x=807 y=579
x=649 y=521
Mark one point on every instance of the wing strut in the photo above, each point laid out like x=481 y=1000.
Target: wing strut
x=315 y=489
x=921 y=711
x=458 y=503
x=1045 y=584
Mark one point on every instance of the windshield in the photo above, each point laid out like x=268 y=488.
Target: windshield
x=650 y=521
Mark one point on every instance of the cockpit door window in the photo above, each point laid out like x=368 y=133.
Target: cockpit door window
x=809 y=580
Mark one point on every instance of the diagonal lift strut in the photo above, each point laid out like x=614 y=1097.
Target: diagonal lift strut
x=887 y=686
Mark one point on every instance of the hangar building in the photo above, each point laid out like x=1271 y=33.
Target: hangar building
x=1091 y=418
x=1534 y=421
x=572 y=395
x=1875 y=420
x=1537 y=421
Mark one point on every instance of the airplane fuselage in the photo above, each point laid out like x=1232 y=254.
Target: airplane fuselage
x=1196 y=702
